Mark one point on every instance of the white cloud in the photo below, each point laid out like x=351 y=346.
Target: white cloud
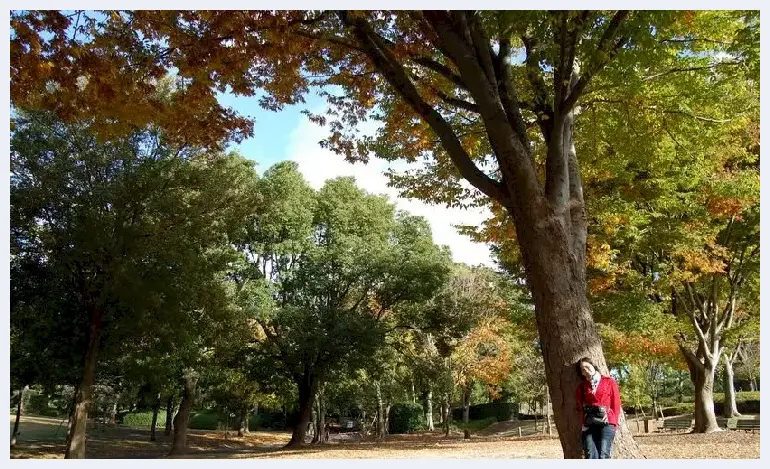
x=318 y=164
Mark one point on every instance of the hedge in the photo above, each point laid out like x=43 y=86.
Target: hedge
x=406 y=417
x=500 y=411
x=475 y=425
x=142 y=419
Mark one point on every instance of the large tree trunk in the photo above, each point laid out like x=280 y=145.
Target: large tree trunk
x=702 y=374
x=566 y=328
x=76 y=438
x=429 y=410
x=169 y=415
x=19 y=412
x=730 y=406
x=182 y=418
x=705 y=417
x=307 y=386
x=550 y=221
x=155 y=411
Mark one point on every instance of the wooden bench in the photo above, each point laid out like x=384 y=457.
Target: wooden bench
x=747 y=424
x=677 y=424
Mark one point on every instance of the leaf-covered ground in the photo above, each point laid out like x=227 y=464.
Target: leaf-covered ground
x=40 y=439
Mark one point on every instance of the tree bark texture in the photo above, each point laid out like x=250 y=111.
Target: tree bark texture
x=155 y=411
x=307 y=385
x=730 y=406
x=169 y=415
x=429 y=410
x=76 y=437
x=19 y=413
x=182 y=418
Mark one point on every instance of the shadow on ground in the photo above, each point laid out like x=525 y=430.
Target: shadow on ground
x=44 y=438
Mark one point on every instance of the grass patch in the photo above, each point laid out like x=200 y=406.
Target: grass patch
x=475 y=425
x=143 y=419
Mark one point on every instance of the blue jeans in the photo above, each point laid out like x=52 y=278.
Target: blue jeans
x=597 y=441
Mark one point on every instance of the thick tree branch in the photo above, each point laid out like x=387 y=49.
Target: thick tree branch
x=541 y=105
x=457 y=102
x=693 y=320
x=481 y=45
x=507 y=91
x=515 y=163
x=395 y=74
x=442 y=70
x=606 y=50
x=690 y=357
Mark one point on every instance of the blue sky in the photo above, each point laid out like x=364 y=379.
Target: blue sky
x=289 y=135
x=272 y=130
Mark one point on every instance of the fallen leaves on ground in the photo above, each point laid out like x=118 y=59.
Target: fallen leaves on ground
x=116 y=442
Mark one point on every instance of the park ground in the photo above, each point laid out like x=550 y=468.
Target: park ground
x=43 y=437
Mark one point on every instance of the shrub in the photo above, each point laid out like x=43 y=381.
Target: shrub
x=142 y=419
x=406 y=417
x=679 y=409
x=204 y=420
x=37 y=403
x=500 y=411
x=744 y=407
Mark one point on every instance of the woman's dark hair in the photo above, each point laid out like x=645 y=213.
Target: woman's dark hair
x=579 y=368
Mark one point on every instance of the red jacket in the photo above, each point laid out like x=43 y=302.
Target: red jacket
x=607 y=395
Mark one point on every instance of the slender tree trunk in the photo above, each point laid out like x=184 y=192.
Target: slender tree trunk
x=730 y=406
x=680 y=388
x=311 y=425
x=317 y=420
x=169 y=415
x=322 y=415
x=362 y=424
x=548 y=413
x=243 y=421
x=307 y=386
x=114 y=411
x=182 y=418
x=380 y=411
x=155 y=411
x=429 y=410
x=76 y=438
x=19 y=413
x=447 y=413
x=466 y=404
x=386 y=427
